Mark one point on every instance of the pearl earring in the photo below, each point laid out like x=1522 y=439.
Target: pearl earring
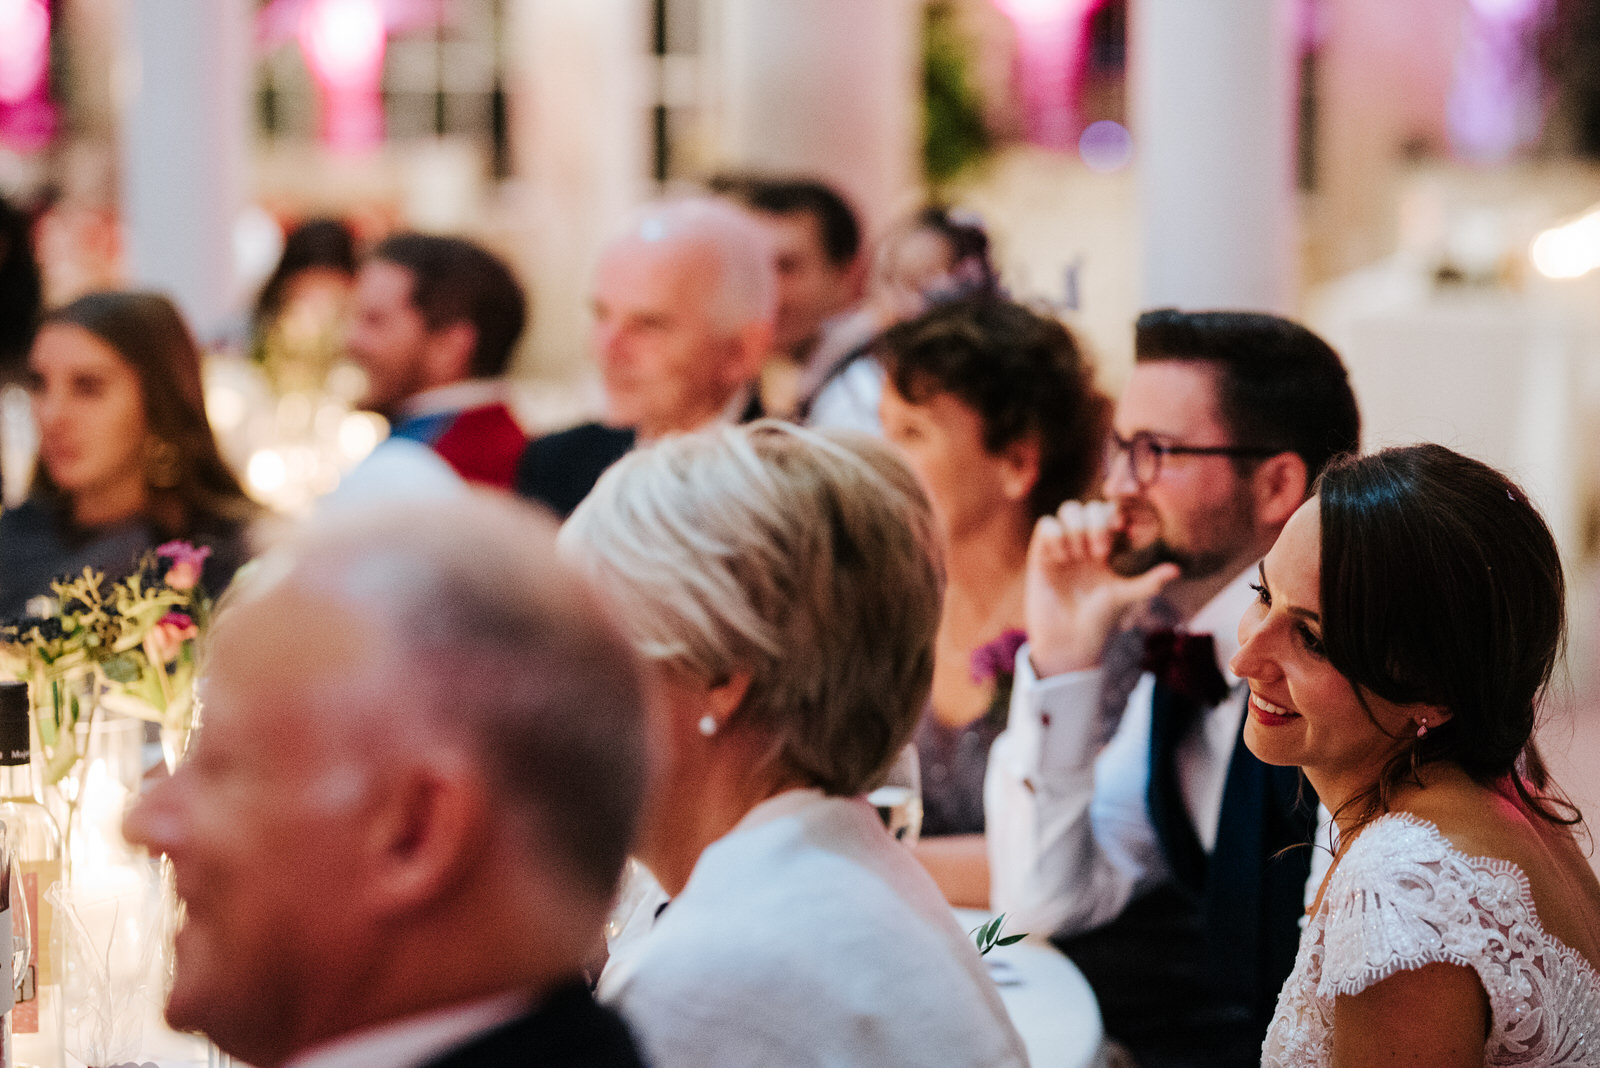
x=708 y=725
x=1422 y=728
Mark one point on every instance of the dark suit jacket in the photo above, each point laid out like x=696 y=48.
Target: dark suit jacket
x=1188 y=975
x=558 y=470
x=566 y=1030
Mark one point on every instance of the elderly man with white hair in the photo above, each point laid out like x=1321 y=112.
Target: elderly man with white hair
x=399 y=832
x=684 y=303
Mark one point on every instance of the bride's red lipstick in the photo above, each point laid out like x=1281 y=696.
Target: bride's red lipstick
x=1269 y=714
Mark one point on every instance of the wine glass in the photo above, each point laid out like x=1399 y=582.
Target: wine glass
x=16 y=902
x=633 y=888
x=898 y=798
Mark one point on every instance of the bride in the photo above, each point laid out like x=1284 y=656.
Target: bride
x=1407 y=622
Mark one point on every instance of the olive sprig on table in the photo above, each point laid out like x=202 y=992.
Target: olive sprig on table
x=987 y=935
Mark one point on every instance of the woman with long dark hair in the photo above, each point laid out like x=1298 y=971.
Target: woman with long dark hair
x=126 y=458
x=1407 y=624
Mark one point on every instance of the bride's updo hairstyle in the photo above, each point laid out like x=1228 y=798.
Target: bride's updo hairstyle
x=1441 y=584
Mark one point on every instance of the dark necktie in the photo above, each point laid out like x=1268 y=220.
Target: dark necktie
x=1187 y=683
x=1186 y=664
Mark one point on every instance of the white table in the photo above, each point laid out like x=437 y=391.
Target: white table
x=1049 y=1000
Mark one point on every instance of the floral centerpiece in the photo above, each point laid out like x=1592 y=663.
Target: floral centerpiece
x=129 y=644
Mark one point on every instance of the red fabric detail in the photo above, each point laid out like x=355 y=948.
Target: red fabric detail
x=483 y=445
x=1186 y=664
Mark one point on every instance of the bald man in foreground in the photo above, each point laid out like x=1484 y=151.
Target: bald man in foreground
x=399 y=832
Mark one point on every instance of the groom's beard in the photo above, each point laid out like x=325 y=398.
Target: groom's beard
x=1128 y=560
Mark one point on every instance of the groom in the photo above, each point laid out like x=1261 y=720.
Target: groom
x=1124 y=811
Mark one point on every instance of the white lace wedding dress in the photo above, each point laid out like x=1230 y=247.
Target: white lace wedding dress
x=1403 y=897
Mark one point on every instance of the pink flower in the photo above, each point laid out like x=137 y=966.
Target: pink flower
x=166 y=638
x=998 y=659
x=187 y=562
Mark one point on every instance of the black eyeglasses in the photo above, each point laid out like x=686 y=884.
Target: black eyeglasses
x=1145 y=453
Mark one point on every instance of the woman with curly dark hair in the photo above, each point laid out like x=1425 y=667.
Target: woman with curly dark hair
x=994 y=406
x=127 y=460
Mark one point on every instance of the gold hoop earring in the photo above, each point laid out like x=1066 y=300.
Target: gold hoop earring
x=162 y=463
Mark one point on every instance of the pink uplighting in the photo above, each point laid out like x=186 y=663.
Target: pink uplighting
x=27 y=118
x=343 y=42
x=1050 y=44
x=1040 y=10
x=24 y=47
x=1496 y=102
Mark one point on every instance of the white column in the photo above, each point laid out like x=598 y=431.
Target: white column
x=580 y=133
x=185 y=132
x=1214 y=121
x=822 y=87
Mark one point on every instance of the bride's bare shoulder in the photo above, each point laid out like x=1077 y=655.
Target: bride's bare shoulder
x=1474 y=819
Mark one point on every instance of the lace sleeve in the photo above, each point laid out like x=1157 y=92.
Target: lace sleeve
x=1402 y=898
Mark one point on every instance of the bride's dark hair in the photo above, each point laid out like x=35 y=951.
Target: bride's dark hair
x=1442 y=585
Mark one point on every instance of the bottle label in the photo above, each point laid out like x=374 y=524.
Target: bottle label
x=37 y=877
x=14 y=738
x=15 y=746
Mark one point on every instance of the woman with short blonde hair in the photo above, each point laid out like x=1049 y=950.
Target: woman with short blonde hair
x=785 y=583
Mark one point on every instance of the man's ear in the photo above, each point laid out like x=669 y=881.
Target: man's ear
x=1278 y=487
x=751 y=345
x=450 y=352
x=423 y=832
x=855 y=277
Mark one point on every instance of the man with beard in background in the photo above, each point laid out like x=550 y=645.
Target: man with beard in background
x=1124 y=812
x=434 y=325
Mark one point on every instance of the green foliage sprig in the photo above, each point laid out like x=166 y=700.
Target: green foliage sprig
x=987 y=935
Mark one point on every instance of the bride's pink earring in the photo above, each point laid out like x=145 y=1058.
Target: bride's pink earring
x=1422 y=728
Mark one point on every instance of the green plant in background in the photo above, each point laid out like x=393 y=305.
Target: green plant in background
x=955 y=135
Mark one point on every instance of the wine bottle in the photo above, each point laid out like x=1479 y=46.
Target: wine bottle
x=19 y=947
x=36 y=1019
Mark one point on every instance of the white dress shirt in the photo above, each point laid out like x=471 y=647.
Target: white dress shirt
x=806 y=936
x=849 y=400
x=1069 y=831
x=416 y=1039
x=455 y=397
x=399 y=469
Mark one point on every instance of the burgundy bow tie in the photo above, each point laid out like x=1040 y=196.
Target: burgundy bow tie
x=1186 y=664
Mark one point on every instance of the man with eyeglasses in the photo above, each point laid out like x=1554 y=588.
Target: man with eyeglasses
x=1124 y=812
